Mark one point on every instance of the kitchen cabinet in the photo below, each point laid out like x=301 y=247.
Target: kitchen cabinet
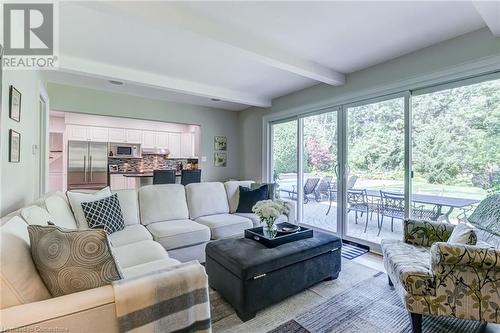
x=162 y=140
x=148 y=139
x=133 y=136
x=120 y=182
x=122 y=135
x=174 y=144
x=187 y=145
x=87 y=133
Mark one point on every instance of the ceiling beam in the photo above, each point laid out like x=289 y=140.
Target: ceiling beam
x=74 y=65
x=177 y=16
x=490 y=13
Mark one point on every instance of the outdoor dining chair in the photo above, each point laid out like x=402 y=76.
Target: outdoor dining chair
x=357 y=201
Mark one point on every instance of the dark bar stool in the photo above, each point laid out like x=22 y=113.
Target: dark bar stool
x=163 y=177
x=190 y=176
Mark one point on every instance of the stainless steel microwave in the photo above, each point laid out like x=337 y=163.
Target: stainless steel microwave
x=123 y=150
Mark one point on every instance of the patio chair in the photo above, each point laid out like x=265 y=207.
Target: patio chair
x=309 y=188
x=333 y=190
x=393 y=205
x=357 y=201
x=323 y=188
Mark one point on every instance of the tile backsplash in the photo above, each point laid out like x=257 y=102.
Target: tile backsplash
x=147 y=163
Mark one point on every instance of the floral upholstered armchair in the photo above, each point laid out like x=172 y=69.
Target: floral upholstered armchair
x=434 y=277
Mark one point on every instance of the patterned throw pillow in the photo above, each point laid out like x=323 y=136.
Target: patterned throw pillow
x=70 y=261
x=104 y=214
x=463 y=234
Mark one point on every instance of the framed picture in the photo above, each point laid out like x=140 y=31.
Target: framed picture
x=14 y=104
x=220 y=159
x=220 y=143
x=14 y=146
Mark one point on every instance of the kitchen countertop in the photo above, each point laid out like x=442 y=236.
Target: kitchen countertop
x=138 y=174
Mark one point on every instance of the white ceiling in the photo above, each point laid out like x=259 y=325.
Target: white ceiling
x=244 y=53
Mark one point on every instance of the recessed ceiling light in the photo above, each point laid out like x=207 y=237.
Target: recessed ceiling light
x=215 y=99
x=116 y=83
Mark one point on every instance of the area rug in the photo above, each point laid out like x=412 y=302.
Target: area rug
x=371 y=306
x=351 y=251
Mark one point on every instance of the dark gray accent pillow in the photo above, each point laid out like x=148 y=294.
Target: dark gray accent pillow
x=248 y=198
x=104 y=214
x=70 y=261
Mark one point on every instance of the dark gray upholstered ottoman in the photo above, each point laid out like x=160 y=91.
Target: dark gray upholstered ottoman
x=251 y=276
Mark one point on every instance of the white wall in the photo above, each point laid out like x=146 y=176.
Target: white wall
x=213 y=122
x=439 y=62
x=18 y=179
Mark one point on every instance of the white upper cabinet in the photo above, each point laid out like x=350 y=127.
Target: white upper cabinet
x=98 y=134
x=87 y=133
x=77 y=133
x=117 y=135
x=162 y=140
x=174 y=144
x=133 y=136
x=149 y=139
x=187 y=145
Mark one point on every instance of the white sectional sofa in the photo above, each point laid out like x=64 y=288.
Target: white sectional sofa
x=165 y=225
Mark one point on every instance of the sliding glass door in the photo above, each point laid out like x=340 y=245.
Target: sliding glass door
x=360 y=169
x=375 y=167
x=456 y=149
x=284 y=167
x=320 y=170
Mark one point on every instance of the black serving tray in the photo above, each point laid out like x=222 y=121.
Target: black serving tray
x=257 y=234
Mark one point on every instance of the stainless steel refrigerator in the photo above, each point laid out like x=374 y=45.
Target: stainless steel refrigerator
x=87 y=165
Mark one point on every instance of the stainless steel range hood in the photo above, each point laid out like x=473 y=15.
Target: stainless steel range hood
x=155 y=151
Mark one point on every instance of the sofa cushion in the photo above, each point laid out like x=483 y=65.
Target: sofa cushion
x=35 y=215
x=131 y=234
x=225 y=225
x=138 y=253
x=19 y=278
x=179 y=233
x=129 y=202
x=206 y=199
x=409 y=265
x=70 y=261
x=149 y=267
x=487 y=214
x=162 y=203
x=104 y=214
x=58 y=207
x=256 y=221
x=233 y=193
x=76 y=199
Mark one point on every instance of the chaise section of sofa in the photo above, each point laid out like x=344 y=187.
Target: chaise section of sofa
x=165 y=214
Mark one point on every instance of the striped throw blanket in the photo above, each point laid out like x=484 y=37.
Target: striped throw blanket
x=170 y=300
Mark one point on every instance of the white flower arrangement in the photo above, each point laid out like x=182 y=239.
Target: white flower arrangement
x=269 y=210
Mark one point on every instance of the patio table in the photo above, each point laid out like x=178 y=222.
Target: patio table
x=436 y=200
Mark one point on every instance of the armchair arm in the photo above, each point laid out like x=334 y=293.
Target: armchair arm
x=444 y=254
x=425 y=233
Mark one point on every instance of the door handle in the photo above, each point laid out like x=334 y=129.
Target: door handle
x=84 y=168
x=90 y=167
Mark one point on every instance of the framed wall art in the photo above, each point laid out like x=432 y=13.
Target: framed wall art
x=14 y=104
x=220 y=143
x=14 y=146
x=220 y=159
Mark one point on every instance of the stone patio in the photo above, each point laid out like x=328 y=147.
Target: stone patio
x=315 y=215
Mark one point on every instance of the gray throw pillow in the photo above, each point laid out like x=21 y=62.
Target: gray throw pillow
x=463 y=234
x=70 y=261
